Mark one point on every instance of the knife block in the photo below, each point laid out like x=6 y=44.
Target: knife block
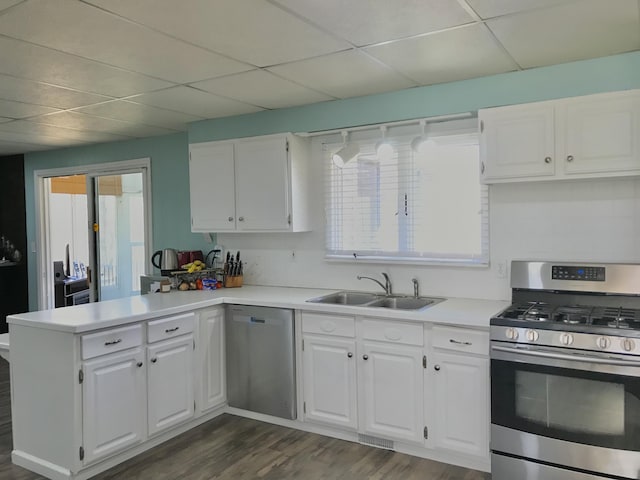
x=232 y=281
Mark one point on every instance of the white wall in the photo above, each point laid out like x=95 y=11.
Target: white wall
x=590 y=220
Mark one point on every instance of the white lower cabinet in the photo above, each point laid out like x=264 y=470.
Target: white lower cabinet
x=330 y=380
x=113 y=403
x=392 y=402
x=213 y=385
x=461 y=407
x=170 y=383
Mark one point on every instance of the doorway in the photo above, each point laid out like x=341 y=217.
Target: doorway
x=94 y=232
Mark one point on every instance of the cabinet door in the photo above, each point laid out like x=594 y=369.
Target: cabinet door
x=113 y=403
x=330 y=380
x=391 y=400
x=212 y=358
x=262 y=184
x=211 y=184
x=600 y=133
x=170 y=383
x=461 y=403
x=517 y=142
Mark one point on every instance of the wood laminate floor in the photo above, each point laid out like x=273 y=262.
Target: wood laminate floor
x=236 y=448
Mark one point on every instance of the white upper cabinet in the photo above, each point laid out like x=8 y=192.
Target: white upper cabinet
x=581 y=137
x=257 y=184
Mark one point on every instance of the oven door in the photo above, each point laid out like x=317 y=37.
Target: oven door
x=567 y=408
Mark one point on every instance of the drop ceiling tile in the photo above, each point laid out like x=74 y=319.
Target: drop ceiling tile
x=16 y=110
x=14 y=148
x=34 y=139
x=3 y=119
x=139 y=113
x=54 y=135
x=110 y=39
x=345 y=74
x=576 y=31
x=194 y=102
x=262 y=88
x=255 y=32
x=21 y=59
x=21 y=90
x=494 y=8
x=458 y=54
x=364 y=22
x=81 y=121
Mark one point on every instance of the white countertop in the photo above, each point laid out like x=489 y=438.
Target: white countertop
x=83 y=318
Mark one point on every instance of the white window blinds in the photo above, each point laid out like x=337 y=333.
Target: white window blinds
x=416 y=206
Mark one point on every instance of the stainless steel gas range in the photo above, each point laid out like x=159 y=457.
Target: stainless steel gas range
x=565 y=374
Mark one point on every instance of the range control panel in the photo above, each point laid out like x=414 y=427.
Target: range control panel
x=589 y=274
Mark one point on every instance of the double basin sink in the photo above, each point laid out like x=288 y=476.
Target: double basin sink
x=373 y=300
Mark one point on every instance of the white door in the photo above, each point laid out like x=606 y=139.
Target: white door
x=517 y=142
x=461 y=406
x=600 y=133
x=113 y=401
x=262 y=184
x=212 y=187
x=330 y=381
x=212 y=358
x=391 y=399
x=170 y=383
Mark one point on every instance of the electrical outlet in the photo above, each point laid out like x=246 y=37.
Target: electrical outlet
x=501 y=269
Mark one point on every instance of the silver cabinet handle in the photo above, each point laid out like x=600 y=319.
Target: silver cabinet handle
x=154 y=360
x=241 y=219
x=113 y=342
x=365 y=357
x=458 y=342
x=547 y=159
x=169 y=330
x=230 y=219
x=570 y=158
x=436 y=368
x=139 y=364
x=481 y=167
x=349 y=354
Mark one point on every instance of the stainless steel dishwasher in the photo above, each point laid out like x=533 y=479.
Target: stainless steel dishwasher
x=261 y=360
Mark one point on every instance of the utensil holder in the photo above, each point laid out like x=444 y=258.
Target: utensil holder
x=232 y=281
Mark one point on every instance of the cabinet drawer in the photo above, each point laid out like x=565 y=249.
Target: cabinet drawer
x=170 y=327
x=109 y=341
x=461 y=339
x=392 y=331
x=339 y=325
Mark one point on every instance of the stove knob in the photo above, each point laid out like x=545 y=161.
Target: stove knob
x=603 y=342
x=566 y=339
x=532 y=335
x=627 y=344
x=511 y=333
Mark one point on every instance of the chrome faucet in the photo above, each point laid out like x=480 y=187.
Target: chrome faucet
x=387 y=282
x=416 y=287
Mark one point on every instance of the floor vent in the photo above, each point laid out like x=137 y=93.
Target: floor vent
x=375 y=441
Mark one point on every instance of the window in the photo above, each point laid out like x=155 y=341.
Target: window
x=417 y=206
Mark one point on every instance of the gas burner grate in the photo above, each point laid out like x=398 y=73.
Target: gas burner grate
x=574 y=314
x=627 y=318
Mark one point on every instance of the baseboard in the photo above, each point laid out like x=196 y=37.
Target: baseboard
x=39 y=466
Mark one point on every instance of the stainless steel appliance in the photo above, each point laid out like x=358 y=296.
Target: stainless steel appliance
x=168 y=260
x=565 y=373
x=261 y=360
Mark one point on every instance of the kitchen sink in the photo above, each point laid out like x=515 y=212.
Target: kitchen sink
x=373 y=300
x=346 y=298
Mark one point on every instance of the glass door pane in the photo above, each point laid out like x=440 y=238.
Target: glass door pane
x=119 y=234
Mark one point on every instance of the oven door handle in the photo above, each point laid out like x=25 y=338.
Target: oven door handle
x=565 y=356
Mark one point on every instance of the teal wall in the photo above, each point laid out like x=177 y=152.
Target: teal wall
x=169 y=154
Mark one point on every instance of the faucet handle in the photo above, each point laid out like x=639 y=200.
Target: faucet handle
x=416 y=287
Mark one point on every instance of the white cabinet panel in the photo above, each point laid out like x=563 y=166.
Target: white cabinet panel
x=212 y=358
x=211 y=187
x=391 y=400
x=517 y=141
x=114 y=401
x=170 y=383
x=461 y=408
x=262 y=184
x=330 y=381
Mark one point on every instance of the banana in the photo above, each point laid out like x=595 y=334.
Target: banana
x=187 y=266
